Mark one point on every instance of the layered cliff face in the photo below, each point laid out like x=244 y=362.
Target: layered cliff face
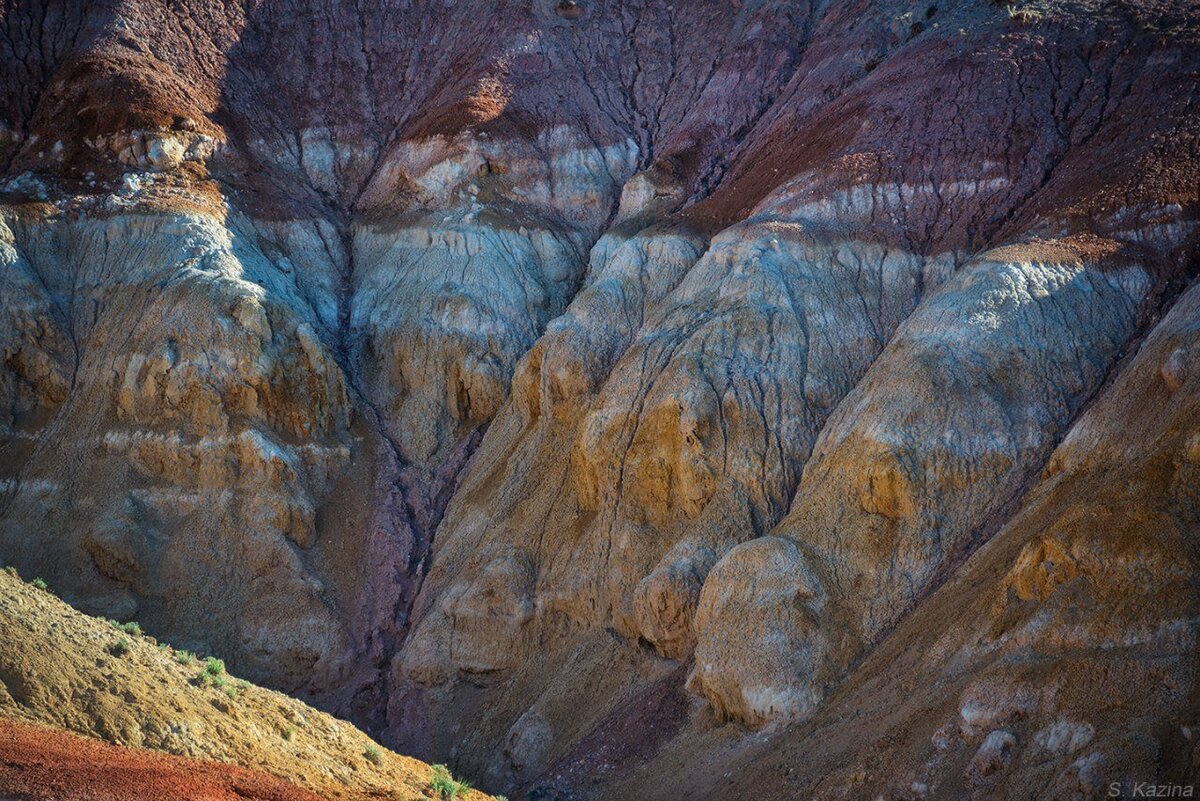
x=578 y=391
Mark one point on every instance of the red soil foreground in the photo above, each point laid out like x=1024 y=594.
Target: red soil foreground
x=42 y=763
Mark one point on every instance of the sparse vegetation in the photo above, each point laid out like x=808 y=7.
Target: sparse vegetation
x=40 y=584
x=132 y=628
x=213 y=675
x=58 y=650
x=445 y=786
x=1025 y=15
x=12 y=571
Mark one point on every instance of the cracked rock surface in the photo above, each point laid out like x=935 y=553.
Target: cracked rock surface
x=621 y=399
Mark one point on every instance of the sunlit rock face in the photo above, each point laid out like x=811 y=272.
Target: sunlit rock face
x=623 y=399
x=1009 y=350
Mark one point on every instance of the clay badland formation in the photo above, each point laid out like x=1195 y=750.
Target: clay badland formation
x=626 y=400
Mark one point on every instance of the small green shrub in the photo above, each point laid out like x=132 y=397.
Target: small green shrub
x=40 y=583
x=444 y=786
x=12 y=571
x=289 y=732
x=214 y=666
x=440 y=780
x=242 y=685
x=231 y=692
x=120 y=647
x=185 y=657
x=373 y=754
x=132 y=627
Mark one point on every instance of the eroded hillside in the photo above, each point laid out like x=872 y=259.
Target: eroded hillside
x=62 y=671
x=610 y=397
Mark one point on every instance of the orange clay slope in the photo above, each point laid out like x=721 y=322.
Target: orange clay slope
x=44 y=763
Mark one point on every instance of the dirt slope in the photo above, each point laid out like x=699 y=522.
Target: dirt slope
x=43 y=764
x=75 y=673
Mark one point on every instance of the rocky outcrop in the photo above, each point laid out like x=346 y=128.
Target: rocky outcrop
x=212 y=424
x=1009 y=349
x=1016 y=677
x=550 y=371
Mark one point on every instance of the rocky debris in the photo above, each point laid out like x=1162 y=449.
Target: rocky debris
x=156 y=150
x=1065 y=736
x=993 y=756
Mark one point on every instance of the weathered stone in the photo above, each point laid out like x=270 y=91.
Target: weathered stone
x=491 y=374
